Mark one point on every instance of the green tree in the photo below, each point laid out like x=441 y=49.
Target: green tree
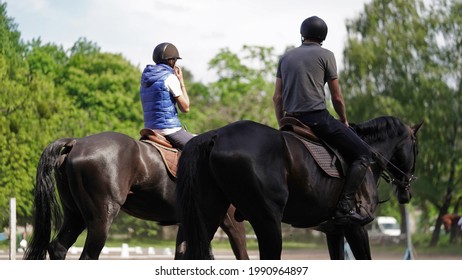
x=106 y=87
x=14 y=100
x=243 y=90
x=47 y=94
x=444 y=166
x=396 y=63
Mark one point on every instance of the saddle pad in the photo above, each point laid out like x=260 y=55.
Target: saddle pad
x=170 y=156
x=325 y=158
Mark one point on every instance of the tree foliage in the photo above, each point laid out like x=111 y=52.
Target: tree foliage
x=49 y=93
x=404 y=58
x=243 y=90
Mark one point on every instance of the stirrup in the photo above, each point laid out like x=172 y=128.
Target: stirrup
x=350 y=217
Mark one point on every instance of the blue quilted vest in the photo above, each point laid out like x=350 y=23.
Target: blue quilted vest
x=159 y=105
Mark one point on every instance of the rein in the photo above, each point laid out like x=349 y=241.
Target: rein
x=389 y=177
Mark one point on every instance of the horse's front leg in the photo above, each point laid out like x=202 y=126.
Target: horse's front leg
x=335 y=243
x=358 y=239
x=98 y=230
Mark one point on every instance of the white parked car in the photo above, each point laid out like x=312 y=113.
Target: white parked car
x=383 y=230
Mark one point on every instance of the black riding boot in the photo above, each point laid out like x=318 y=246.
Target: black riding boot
x=346 y=209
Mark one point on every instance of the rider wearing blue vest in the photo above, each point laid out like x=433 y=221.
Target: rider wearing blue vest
x=162 y=89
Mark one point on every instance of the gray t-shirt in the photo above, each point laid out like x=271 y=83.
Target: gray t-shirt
x=304 y=72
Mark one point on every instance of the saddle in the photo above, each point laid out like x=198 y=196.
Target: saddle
x=169 y=154
x=327 y=158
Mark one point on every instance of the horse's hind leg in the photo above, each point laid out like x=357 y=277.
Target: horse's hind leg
x=268 y=232
x=96 y=238
x=98 y=229
x=261 y=201
x=180 y=244
x=236 y=233
x=234 y=229
x=71 y=228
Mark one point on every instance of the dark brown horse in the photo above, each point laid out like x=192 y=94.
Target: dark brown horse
x=96 y=177
x=270 y=177
x=450 y=222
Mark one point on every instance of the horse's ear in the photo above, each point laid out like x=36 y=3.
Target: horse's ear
x=416 y=127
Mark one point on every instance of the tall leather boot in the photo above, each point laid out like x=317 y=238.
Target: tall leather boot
x=346 y=209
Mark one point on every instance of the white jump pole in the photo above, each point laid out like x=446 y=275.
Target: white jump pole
x=409 y=254
x=12 y=228
x=348 y=254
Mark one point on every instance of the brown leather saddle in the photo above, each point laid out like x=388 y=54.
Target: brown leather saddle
x=169 y=154
x=327 y=158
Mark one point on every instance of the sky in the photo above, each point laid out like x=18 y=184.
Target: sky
x=198 y=28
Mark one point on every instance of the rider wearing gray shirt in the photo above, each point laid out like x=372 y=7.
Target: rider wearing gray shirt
x=305 y=80
x=299 y=93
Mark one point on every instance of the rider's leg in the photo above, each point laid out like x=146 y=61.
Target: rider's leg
x=346 y=209
x=354 y=150
x=180 y=138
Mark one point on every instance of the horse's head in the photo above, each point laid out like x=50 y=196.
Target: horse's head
x=399 y=170
x=395 y=147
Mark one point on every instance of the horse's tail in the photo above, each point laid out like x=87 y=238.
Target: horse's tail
x=46 y=206
x=193 y=173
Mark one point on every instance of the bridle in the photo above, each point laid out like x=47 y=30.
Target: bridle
x=402 y=184
x=390 y=170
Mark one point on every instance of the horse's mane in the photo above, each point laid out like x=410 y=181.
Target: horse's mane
x=380 y=129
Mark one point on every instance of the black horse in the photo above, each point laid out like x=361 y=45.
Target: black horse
x=96 y=177
x=270 y=177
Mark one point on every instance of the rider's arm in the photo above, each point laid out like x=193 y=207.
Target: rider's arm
x=277 y=100
x=337 y=100
x=177 y=88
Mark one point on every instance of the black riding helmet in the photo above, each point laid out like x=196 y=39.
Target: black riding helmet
x=165 y=51
x=314 y=28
